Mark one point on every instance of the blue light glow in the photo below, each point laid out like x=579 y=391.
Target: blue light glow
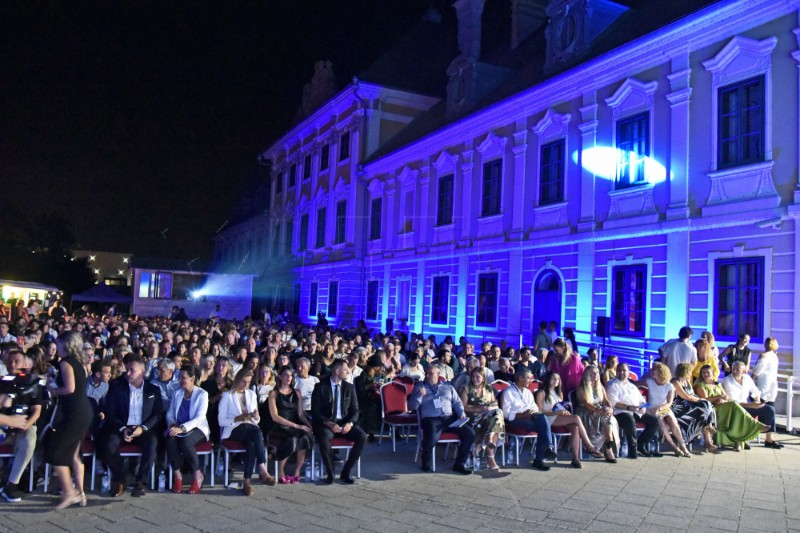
x=602 y=161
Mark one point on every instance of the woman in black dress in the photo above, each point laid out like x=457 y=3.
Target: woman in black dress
x=215 y=387
x=695 y=416
x=63 y=441
x=289 y=424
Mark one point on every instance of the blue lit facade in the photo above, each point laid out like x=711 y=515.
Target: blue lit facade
x=655 y=184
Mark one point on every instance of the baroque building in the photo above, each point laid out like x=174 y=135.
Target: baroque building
x=630 y=160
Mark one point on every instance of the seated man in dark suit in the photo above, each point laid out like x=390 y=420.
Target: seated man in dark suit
x=334 y=411
x=133 y=409
x=440 y=406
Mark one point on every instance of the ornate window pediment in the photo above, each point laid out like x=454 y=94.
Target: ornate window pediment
x=633 y=96
x=492 y=146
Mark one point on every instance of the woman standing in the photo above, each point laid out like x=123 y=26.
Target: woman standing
x=596 y=413
x=567 y=365
x=704 y=357
x=549 y=400
x=290 y=425
x=736 y=352
x=766 y=372
x=63 y=440
x=695 y=416
x=187 y=426
x=484 y=413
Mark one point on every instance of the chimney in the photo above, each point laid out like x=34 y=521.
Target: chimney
x=469 y=27
x=526 y=17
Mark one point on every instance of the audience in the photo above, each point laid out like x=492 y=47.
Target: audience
x=484 y=414
x=521 y=413
x=594 y=409
x=187 y=426
x=630 y=408
x=695 y=416
x=661 y=394
x=290 y=425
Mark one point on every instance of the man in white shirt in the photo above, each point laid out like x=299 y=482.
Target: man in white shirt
x=628 y=402
x=305 y=383
x=522 y=414
x=5 y=336
x=741 y=388
x=680 y=350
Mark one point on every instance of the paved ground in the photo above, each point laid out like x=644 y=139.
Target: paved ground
x=757 y=490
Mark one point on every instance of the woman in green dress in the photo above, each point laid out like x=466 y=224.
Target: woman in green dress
x=485 y=416
x=734 y=424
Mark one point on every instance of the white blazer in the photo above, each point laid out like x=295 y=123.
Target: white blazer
x=198 y=408
x=229 y=408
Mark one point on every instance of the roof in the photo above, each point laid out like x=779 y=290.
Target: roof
x=102 y=293
x=29 y=285
x=191 y=266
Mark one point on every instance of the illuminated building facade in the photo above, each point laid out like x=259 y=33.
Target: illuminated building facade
x=643 y=172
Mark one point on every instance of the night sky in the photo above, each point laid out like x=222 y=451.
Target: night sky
x=132 y=118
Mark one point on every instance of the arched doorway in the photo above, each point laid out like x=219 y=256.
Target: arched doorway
x=547 y=299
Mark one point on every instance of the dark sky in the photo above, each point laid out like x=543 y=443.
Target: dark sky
x=129 y=118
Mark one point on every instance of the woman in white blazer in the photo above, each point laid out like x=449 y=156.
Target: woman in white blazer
x=238 y=420
x=187 y=427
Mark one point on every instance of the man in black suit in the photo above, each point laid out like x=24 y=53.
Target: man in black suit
x=133 y=409
x=334 y=411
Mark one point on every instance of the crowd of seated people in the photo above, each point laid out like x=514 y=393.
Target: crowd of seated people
x=166 y=386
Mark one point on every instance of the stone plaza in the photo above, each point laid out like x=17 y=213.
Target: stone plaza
x=756 y=490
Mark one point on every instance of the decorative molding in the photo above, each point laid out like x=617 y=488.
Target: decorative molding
x=553 y=125
x=492 y=145
x=445 y=162
x=740 y=59
x=631 y=202
x=746 y=184
x=408 y=178
x=304 y=206
x=633 y=96
x=376 y=187
x=550 y=216
x=341 y=190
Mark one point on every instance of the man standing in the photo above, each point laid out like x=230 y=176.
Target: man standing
x=520 y=411
x=133 y=409
x=542 y=339
x=628 y=404
x=334 y=408
x=680 y=350
x=440 y=407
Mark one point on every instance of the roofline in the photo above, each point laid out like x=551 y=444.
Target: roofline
x=673 y=40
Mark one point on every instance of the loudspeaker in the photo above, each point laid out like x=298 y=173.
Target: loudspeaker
x=603 y=326
x=389 y=325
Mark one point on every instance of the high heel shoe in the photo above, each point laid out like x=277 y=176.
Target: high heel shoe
x=177 y=484
x=197 y=485
x=594 y=452
x=83 y=501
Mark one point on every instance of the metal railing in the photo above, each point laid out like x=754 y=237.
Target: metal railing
x=789 y=390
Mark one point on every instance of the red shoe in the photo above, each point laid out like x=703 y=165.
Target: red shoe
x=177 y=485
x=197 y=486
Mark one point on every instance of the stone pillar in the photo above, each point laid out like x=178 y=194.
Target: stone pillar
x=514 y=297
x=389 y=217
x=585 y=289
x=418 y=309
x=588 y=129
x=461 y=298
x=520 y=150
x=467 y=187
x=677 y=314
x=423 y=223
x=678 y=168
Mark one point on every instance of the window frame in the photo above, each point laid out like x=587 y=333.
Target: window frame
x=739 y=87
x=307 y=162
x=545 y=175
x=319 y=240
x=341 y=222
x=372 y=300
x=325 y=157
x=375 y=221
x=492 y=188
x=288 y=229
x=333 y=298
x=344 y=147
x=279 y=183
x=628 y=270
x=444 y=206
x=292 y=176
x=623 y=158
x=302 y=244
x=438 y=300
x=758 y=261
x=313 y=298
x=483 y=323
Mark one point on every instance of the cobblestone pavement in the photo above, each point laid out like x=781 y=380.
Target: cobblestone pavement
x=757 y=490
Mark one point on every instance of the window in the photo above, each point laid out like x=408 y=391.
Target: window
x=302 y=246
x=741 y=123
x=296 y=299
x=155 y=285
x=403 y=299
x=444 y=201
x=490 y=195
x=739 y=302
x=276 y=240
x=633 y=147
x=312 y=299
x=341 y=221
x=292 y=175
x=440 y=299
x=279 y=183
x=486 y=308
x=288 y=230
x=375 y=219
x=344 y=146
x=333 y=298
x=372 y=300
x=324 y=157
x=628 y=300
x=307 y=167
x=321 y=214
x=551 y=172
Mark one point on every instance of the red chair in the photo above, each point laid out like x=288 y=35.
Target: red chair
x=519 y=435
x=134 y=450
x=447 y=437
x=230 y=446
x=499 y=386
x=204 y=448
x=633 y=377
x=339 y=443
x=394 y=411
x=533 y=386
x=7 y=452
x=408 y=382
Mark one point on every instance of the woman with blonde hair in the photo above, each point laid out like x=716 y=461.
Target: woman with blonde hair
x=661 y=394
x=567 y=365
x=596 y=412
x=610 y=369
x=704 y=357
